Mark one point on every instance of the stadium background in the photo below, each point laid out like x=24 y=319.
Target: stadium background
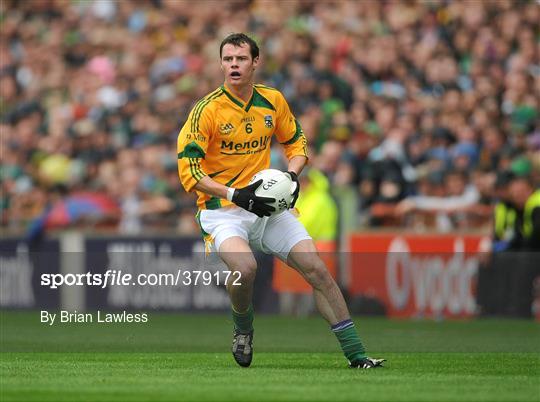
x=398 y=100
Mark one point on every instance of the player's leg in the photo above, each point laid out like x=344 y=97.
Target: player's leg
x=299 y=251
x=304 y=258
x=287 y=238
x=237 y=255
x=227 y=233
x=330 y=302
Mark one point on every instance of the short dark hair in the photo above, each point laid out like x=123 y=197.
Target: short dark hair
x=237 y=39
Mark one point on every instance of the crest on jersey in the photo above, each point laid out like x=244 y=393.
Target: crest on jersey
x=268 y=121
x=225 y=129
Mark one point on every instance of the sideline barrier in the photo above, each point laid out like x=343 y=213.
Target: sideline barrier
x=398 y=274
x=417 y=275
x=20 y=268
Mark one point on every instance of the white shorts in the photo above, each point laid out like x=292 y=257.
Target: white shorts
x=276 y=234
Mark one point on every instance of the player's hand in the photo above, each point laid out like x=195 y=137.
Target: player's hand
x=294 y=178
x=245 y=198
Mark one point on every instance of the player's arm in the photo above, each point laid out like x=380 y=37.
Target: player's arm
x=244 y=197
x=289 y=132
x=192 y=145
x=211 y=187
x=297 y=163
x=291 y=136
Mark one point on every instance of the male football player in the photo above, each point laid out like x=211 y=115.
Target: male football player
x=225 y=141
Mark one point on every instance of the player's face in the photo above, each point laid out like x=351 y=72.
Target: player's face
x=237 y=64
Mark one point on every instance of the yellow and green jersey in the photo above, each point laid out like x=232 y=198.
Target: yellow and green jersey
x=229 y=140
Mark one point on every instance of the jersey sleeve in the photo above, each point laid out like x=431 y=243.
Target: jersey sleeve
x=192 y=145
x=288 y=130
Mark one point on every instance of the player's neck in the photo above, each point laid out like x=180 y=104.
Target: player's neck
x=243 y=92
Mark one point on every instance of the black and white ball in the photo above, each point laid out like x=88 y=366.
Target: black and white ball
x=278 y=185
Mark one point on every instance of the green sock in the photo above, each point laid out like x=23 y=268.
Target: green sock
x=349 y=340
x=243 y=322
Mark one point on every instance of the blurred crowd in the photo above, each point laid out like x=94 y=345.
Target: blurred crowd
x=418 y=105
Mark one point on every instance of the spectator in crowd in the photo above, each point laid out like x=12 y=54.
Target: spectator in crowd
x=459 y=195
x=506 y=277
x=493 y=275
x=524 y=268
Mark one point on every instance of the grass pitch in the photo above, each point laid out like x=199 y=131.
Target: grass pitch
x=185 y=357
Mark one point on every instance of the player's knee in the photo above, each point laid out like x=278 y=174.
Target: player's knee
x=247 y=275
x=246 y=268
x=316 y=274
x=321 y=278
